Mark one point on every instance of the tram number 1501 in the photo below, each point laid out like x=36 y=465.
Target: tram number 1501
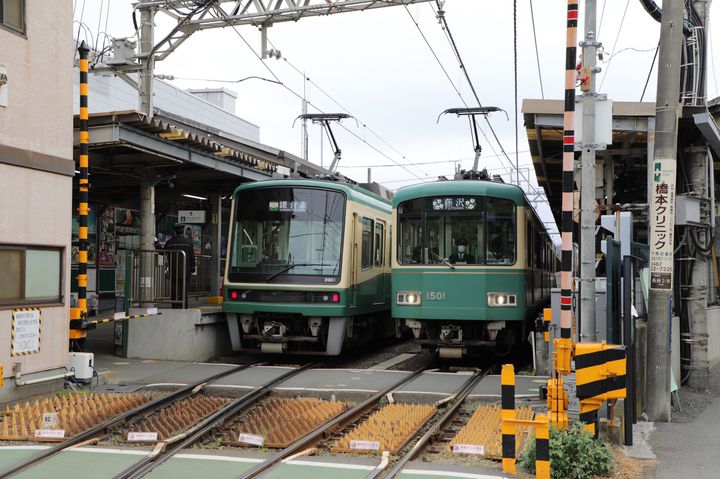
x=435 y=295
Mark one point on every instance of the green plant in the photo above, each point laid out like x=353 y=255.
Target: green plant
x=574 y=454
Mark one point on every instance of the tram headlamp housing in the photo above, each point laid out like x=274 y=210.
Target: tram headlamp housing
x=501 y=300
x=408 y=298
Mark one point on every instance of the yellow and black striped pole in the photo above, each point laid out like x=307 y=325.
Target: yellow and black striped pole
x=507 y=381
x=78 y=315
x=542 y=447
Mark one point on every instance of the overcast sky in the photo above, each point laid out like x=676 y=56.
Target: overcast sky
x=378 y=67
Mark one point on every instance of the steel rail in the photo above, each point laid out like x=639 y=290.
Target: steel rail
x=147 y=464
x=313 y=436
x=155 y=404
x=439 y=423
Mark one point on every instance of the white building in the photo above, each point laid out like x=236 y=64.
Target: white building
x=36 y=174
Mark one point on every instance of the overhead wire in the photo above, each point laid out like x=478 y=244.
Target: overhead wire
x=456 y=50
x=97 y=37
x=617 y=37
x=537 y=52
x=652 y=66
x=270 y=70
x=364 y=124
x=460 y=160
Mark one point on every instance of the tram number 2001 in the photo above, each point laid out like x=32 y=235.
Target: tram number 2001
x=435 y=295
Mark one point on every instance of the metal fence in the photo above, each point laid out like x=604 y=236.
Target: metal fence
x=156 y=276
x=200 y=283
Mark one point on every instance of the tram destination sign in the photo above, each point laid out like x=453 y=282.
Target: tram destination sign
x=662 y=223
x=287 y=206
x=455 y=203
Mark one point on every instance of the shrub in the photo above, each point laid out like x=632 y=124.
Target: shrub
x=574 y=454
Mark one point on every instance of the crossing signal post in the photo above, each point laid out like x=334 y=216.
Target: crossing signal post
x=78 y=315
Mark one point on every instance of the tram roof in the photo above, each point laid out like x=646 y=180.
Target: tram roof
x=460 y=187
x=352 y=192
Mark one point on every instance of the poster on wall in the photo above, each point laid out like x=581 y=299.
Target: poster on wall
x=127 y=222
x=120 y=272
x=25 y=331
x=196 y=238
x=92 y=237
x=107 y=238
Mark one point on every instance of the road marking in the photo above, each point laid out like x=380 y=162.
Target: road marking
x=23 y=447
x=211 y=457
x=321 y=390
x=459 y=475
x=393 y=361
x=331 y=465
x=104 y=450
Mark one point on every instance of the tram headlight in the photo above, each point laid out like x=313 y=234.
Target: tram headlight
x=408 y=298
x=501 y=300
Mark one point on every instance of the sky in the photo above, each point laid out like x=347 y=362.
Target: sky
x=377 y=66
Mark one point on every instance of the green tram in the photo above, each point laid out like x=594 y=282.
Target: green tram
x=473 y=266
x=308 y=267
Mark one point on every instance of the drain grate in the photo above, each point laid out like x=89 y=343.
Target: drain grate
x=179 y=416
x=387 y=429
x=59 y=417
x=483 y=432
x=281 y=422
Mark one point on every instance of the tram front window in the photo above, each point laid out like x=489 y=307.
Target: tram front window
x=456 y=230
x=292 y=234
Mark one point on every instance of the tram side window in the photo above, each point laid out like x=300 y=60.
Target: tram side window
x=379 y=244
x=500 y=231
x=366 y=258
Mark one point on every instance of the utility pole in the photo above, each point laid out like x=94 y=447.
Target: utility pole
x=147 y=62
x=662 y=219
x=588 y=329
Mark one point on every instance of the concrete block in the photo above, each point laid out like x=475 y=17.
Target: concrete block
x=714 y=335
x=176 y=335
x=640 y=366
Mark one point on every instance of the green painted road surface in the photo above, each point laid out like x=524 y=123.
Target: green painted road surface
x=80 y=463
x=314 y=470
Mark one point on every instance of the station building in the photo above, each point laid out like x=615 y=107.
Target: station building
x=36 y=175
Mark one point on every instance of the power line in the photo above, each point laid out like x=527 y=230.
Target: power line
x=460 y=160
x=652 y=65
x=622 y=22
x=537 y=52
x=222 y=13
x=372 y=131
x=602 y=16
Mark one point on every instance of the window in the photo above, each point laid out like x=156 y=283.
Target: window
x=366 y=258
x=379 y=244
x=30 y=275
x=12 y=14
x=292 y=234
x=456 y=230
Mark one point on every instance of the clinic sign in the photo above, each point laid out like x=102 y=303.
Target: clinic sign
x=662 y=223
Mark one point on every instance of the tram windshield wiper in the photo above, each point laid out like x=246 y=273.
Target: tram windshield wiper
x=437 y=256
x=291 y=266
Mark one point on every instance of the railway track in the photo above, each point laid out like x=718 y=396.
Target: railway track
x=111 y=423
x=166 y=450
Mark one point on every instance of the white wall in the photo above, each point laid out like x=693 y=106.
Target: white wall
x=35 y=205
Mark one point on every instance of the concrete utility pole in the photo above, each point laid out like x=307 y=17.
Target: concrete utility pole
x=147 y=239
x=147 y=42
x=698 y=158
x=666 y=127
x=588 y=329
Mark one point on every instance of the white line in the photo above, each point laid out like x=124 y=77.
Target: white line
x=324 y=390
x=332 y=465
x=462 y=475
x=155 y=385
x=101 y=450
x=219 y=364
x=360 y=370
x=210 y=457
x=231 y=386
x=23 y=447
x=429 y=393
